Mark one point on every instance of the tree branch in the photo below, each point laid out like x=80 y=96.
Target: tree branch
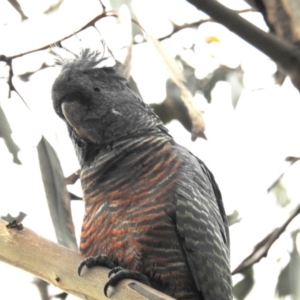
x=58 y=265
x=195 y=24
x=44 y=35
x=73 y=177
x=282 y=52
x=262 y=248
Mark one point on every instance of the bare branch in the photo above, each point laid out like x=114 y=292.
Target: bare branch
x=282 y=52
x=196 y=24
x=73 y=177
x=58 y=265
x=49 y=37
x=262 y=248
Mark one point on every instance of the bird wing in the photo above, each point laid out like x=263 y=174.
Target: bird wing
x=202 y=223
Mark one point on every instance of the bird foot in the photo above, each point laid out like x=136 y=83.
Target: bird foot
x=92 y=261
x=120 y=273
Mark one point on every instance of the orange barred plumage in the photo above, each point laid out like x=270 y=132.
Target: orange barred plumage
x=139 y=213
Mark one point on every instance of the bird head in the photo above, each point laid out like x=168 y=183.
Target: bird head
x=96 y=103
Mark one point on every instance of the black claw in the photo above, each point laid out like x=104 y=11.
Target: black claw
x=105 y=288
x=114 y=280
x=121 y=273
x=110 y=282
x=101 y=260
x=88 y=262
x=114 y=271
x=81 y=266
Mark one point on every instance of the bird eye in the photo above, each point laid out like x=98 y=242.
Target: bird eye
x=96 y=88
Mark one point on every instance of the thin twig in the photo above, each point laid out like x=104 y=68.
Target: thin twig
x=262 y=248
x=72 y=178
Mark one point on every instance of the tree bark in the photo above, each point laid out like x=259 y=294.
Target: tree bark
x=58 y=265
